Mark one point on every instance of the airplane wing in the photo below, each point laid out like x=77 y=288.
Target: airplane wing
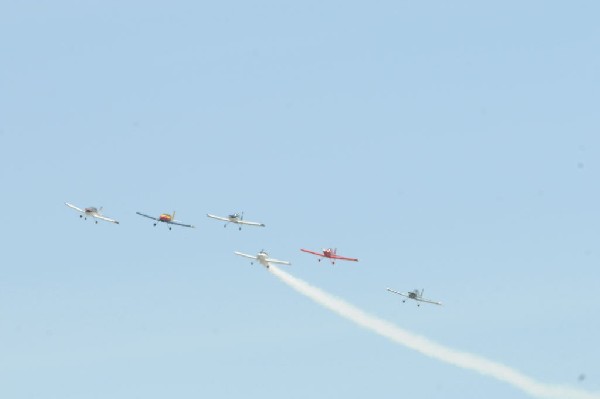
x=105 y=219
x=74 y=207
x=399 y=293
x=148 y=216
x=250 y=223
x=218 y=217
x=278 y=262
x=343 y=258
x=428 y=301
x=178 y=223
x=312 y=252
x=245 y=255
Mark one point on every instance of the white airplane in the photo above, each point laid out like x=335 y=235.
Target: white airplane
x=416 y=295
x=263 y=258
x=91 y=212
x=236 y=218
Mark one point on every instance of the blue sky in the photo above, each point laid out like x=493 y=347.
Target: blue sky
x=450 y=147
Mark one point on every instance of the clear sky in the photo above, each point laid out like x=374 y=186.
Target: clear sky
x=451 y=146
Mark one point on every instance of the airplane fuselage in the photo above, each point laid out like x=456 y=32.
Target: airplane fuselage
x=234 y=218
x=91 y=211
x=262 y=257
x=165 y=217
x=328 y=253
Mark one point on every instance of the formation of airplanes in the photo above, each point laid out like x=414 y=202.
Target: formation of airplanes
x=261 y=257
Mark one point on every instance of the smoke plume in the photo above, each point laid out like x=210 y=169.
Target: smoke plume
x=432 y=349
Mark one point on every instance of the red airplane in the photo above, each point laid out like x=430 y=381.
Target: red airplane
x=329 y=253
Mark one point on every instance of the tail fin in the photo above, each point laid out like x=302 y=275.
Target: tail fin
x=422 y=289
x=173 y=217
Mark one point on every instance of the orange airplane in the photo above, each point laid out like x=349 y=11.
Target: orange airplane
x=165 y=218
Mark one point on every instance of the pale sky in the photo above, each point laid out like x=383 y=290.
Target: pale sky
x=450 y=147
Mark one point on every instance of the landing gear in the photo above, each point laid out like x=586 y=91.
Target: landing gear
x=404 y=301
x=169 y=227
x=96 y=222
x=154 y=224
x=80 y=216
x=240 y=228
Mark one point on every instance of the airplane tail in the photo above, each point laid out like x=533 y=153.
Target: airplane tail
x=422 y=289
x=173 y=217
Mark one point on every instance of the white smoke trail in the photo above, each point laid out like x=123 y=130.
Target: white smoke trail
x=433 y=349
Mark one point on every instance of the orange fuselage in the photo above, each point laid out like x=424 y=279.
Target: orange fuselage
x=165 y=217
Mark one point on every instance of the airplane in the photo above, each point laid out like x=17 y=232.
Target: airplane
x=329 y=253
x=416 y=295
x=165 y=218
x=263 y=258
x=236 y=218
x=91 y=212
